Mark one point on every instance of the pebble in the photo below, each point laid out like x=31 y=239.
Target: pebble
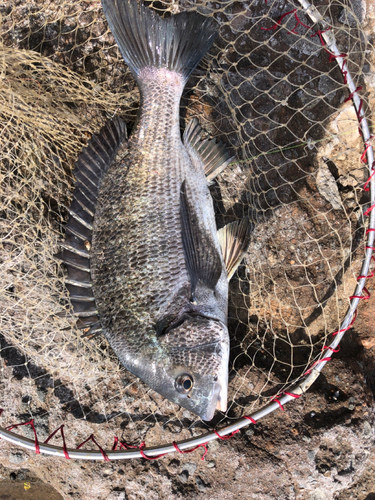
x=319 y=494
x=41 y=395
x=184 y=476
x=200 y=484
x=17 y=457
x=116 y=495
x=18 y=475
x=367 y=431
x=172 y=467
x=190 y=467
x=26 y=400
x=211 y=464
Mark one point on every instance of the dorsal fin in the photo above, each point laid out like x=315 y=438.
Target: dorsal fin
x=89 y=170
x=213 y=154
x=234 y=240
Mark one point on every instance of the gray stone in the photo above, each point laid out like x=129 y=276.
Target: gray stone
x=17 y=457
x=200 y=484
x=190 y=467
x=41 y=395
x=319 y=494
x=117 y=495
x=172 y=467
x=184 y=476
x=355 y=16
x=327 y=187
x=211 y=464
x=328 y=87
x=311 y=455
x=367 y=431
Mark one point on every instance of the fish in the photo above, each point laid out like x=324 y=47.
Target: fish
x=146 y=265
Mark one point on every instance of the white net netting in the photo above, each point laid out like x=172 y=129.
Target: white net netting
x=271 y=92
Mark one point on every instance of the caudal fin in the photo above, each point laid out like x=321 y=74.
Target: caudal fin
x=147 y=40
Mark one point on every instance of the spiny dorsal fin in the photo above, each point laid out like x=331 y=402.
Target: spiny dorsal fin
x=90 y=168
x=234 y=240
x=213 y=154
x=202 y=258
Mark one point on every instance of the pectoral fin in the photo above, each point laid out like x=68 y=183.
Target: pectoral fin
x=202 y=258
x=234 y=240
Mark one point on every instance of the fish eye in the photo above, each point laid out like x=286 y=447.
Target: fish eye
x=184 y=383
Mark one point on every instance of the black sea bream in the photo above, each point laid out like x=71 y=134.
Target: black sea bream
x=145 y=262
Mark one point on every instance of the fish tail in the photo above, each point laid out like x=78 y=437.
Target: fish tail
x=145 y=39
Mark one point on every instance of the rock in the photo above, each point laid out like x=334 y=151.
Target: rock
x=190 y=467
x=41 y=395
x=327 y=187
x=172 y=467
x=367 y=431
x=200 y=484
x=17 y=457
x=117 y=495
x=184 y=476
x=319 y=494
x=346 y=17
x=328 y=87
x=368 y=343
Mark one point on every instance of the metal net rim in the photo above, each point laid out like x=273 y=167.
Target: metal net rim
x=328 y=41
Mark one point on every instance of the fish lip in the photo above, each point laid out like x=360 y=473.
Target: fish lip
x=210 y=411
x=222 y=401
x=222 y=404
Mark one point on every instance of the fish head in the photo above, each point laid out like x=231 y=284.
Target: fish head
x=195 y=372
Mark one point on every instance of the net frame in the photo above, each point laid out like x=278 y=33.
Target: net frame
x=295 y=391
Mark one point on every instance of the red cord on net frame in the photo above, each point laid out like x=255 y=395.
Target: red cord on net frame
x=278 y=401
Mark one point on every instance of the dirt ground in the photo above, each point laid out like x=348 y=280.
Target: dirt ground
x=321 y=447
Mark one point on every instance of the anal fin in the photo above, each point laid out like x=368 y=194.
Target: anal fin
x=234 y=240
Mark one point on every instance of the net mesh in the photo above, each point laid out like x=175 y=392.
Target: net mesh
x=270 y=91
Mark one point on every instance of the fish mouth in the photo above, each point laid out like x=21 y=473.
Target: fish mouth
x=222 y=405
x=222 y=401
x=215 y=399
